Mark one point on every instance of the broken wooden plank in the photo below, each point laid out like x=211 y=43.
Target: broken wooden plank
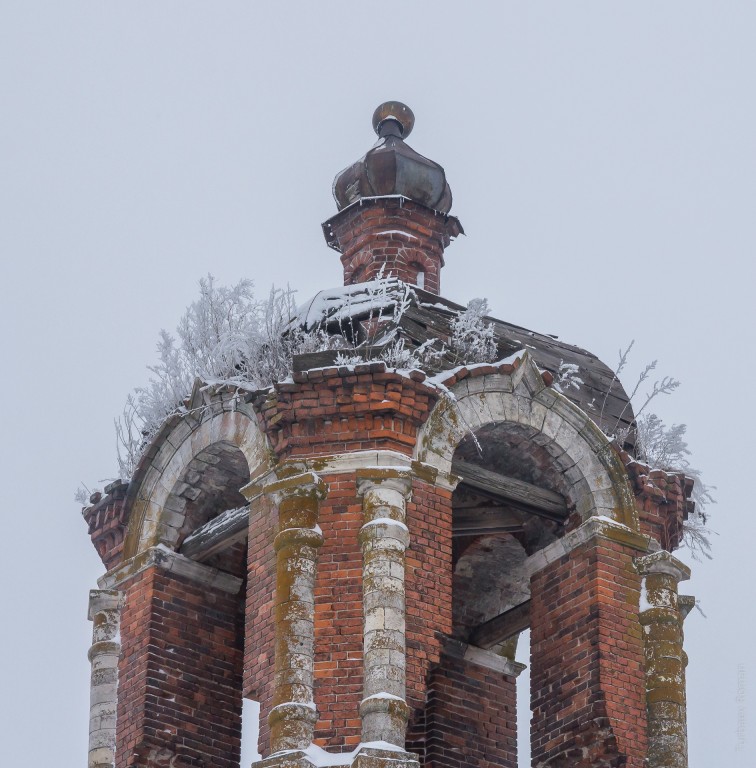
x=486 y=523
x=538 y=500
x=502 y=627
x=216 y=534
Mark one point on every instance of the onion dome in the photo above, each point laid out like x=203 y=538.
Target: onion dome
x=392 y=167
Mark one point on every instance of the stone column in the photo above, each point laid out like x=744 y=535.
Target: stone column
x=293 y=716
x=104 y=613
x=384 y=538
x=661 y=618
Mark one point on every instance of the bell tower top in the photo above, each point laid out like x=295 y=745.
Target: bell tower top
x=393 y=208
x=392 y=167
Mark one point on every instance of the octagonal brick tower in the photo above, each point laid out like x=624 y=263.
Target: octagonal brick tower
x=357 y=548
x=393 y=209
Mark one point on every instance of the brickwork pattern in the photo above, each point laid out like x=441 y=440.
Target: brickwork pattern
x=334 y=410
x=663 y=501
x=428 y=585
x=587 y=673
x=471 y=717
x=338 y=617
x=259 y=642
x=395 y=235
x=339 y=611
x=180 y=674
x=107 y=520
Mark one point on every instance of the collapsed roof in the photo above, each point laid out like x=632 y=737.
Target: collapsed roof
x=370 y=316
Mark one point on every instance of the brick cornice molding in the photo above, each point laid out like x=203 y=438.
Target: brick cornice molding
x=662 y=562
x=483 y=658
x=362 y=463
x=167 y=560
x=594 y=527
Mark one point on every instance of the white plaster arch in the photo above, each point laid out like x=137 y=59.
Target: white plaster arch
x=220 y=417
x=591 y=467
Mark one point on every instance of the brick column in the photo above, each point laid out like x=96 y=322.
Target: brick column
x=104 y=613
x=662 y=620
x=588 y=687
x=384 y=538
x=293 y=716
x=180 y=667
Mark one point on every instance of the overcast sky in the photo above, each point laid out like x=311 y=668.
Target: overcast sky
x=602 y=161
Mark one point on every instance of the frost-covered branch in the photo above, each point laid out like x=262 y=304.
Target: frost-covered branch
x=473 y=339
x=225 y=336
x=567 y=377
x=663 y=447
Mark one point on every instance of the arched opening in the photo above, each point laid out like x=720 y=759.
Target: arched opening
x=204 y=663
x=512 y=501
x=418 y=270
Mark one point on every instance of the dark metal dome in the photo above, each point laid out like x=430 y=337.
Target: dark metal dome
x=392 y=167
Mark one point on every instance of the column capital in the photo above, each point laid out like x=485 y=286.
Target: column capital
x=396 y=478
x=279 y=486
x=103 y=600
x=662 y=562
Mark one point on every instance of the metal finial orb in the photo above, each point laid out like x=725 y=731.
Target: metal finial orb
x=400 y=112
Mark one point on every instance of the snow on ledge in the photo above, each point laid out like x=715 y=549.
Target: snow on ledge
x=322 y=759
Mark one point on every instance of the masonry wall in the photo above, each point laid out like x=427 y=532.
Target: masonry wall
x=340 y=409
x=471 y=717
x=259 y=643
x=179 y=675
x=587 y=674
x=338 y=617
x=428 y=588
x=339 y=607
x=398 y=236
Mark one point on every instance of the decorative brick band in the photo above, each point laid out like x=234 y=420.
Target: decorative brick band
x=662 y=619
x=293 y=716
x=367 y=464
x=105 y=615
x=384 y=537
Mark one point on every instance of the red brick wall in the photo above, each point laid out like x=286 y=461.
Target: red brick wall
x=338 y=617
x=396 y=235
x=587 y=673
x=179 y=674
x=335 y=410
x=259 y=646
x=339 y=608
x=428 y=586
x=106 y=520
x=662 y=500
x=471 y=718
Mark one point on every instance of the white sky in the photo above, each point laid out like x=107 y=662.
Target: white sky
x=602 y=161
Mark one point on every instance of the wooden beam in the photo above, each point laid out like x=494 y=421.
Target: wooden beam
x=482 y=522
x=502 y=627
x=539 y=501
x=216 y=534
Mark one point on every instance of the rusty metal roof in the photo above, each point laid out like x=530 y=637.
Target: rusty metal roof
x=392 y=167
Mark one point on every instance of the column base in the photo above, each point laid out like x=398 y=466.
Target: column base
x=370 y=757
x=365 y=756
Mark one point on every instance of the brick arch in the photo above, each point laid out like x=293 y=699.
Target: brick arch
x=218 y=425
x=596 y=478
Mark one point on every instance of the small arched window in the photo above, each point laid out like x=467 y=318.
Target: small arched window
x=419 y=274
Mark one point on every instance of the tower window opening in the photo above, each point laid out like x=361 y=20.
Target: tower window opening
x=419 y=274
